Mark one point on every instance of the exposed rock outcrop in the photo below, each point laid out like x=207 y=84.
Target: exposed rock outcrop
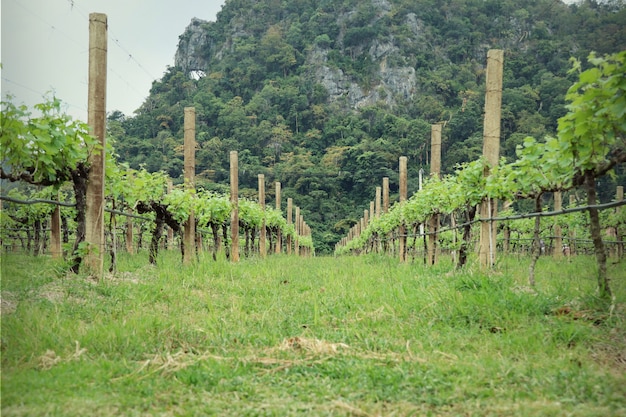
x=194 y=47
x=389 y=83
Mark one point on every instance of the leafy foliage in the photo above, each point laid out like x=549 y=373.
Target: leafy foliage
x=590 y=142
x=281 y=90
x=42 y=149
x=593 y=133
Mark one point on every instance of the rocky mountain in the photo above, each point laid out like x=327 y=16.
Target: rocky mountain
x=325 y=95
x=196 y=50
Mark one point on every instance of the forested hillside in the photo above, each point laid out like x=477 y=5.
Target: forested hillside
x=325 y=95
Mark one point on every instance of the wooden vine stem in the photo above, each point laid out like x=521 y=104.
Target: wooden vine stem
x=619 y=232
x=96 y=118
x=558 y=238
x=170 y=231
x=189 y=167
x=303 y=249
x=491 y=152
x=234 y=202
x=572 y=231
x=129 y=235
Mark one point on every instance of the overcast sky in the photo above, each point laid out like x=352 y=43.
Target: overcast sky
x=45 y=47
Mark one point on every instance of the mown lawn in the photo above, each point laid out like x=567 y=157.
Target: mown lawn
x=355 y=336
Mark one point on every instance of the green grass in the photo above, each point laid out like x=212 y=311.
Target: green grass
x=352 y=336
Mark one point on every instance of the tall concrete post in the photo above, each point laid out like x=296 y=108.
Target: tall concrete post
x=289 y=222
x=385 y=194
x=296 y=246
x=279 y=236
x=262 y=234
x=189 y=143
x=435 y=172
x=96 y=118
x=377 y=207
x=403 y=197
x=234 y=203
x=491 y=152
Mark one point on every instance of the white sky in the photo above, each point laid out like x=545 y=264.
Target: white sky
x=45 y=47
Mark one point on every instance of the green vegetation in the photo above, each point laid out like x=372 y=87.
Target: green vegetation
x=51 y=150
x=262 y=93
x=590 y=143
x=313 y=336
x=47 y=149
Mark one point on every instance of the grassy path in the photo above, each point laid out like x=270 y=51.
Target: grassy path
x=321 y=336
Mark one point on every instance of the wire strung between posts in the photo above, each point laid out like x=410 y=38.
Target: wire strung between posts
x=36 y=201
x=74 y=6
x=121 y=213
x=458 y=226
x=521 y=216
x=73 y=205
x=559 y=212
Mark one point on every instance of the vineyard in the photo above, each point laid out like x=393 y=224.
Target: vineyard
x=54 y=153
x=147 y=202
x=452 y=200
x=589 y=144
x=198 y=332
x=567 y=234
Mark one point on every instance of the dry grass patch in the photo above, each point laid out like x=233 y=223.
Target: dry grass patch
x=123 y=277
x=8 y=303
x=49 y=359
x=309 y=351
x=314 y=346
x=611 y=353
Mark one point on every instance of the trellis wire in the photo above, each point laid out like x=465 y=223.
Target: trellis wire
x=522 y=216
x=445 y=229
x=64 y=204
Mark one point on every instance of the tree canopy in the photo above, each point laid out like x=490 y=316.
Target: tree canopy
x=282 y=78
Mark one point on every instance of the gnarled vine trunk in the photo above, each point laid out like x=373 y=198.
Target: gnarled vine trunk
x=536 y=245
x=216 y=239
x=596 y=235
x=37 y=248
x=156 y=239
x=80 y=176
x=225 y=239
x=470 y=213
x=162 y=217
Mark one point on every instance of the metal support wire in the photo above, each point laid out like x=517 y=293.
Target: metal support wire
x=63 y=204
x=36 y=201
x=520 y=217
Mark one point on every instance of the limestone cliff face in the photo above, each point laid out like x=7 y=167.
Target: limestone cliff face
x=390 y=82
x=194 y=47
x=394 y=82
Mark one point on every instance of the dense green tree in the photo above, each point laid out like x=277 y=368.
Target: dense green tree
x=267 y=91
